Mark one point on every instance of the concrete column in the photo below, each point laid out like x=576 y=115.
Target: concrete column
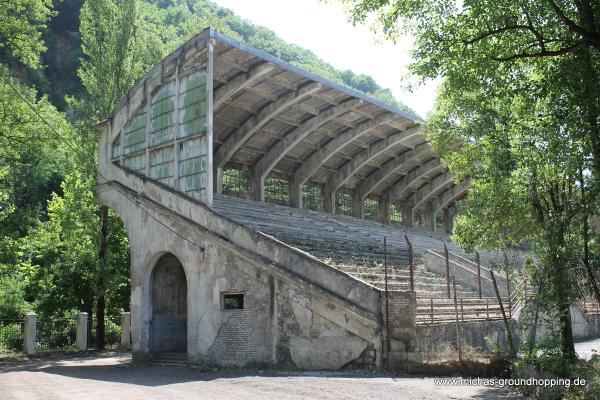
x=295 y=191
x=357 y=206
x=218 y=180
x=329 y=200
x=448 y=220
x=384 y=210
x=82 y=331
x=30 y=333
x=126 y=330
x=429 y=216
x=407 y=216
x=258 y=188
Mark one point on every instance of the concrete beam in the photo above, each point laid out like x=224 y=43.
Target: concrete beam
x=361 y=159
x=451 y=196
x=321 y=156
x=401 y=189
x=426 y=192
x=267 y=162
x=239 y=82
x=252 y=125
x=401 y=163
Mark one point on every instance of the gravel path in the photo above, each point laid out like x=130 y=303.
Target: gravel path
x=112 y=377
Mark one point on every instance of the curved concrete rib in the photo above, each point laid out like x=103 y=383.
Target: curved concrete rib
x=347 y=170
x=426 y=192
x=253 y=124
x=401 y=189
x=268 y=161
x=239 y=82
x=321 y=156
x=401 y=163
x=450 y=196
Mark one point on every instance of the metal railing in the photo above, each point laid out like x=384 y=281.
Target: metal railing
x=56 y=334
x=11 y=335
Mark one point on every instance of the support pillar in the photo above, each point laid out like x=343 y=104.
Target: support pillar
x=258 y=188
x=218 y=180
x=383 y=213
x=82 y=331
x=126 y=330
x=407 y=216
x=329 y=200
x=295 y=191
x=357 y=206
x=448 y=220
x=29 y=336
x=430 y=215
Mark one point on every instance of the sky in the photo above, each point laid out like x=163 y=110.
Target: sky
x=324 y=29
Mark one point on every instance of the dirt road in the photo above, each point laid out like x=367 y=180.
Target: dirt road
x=112 y=377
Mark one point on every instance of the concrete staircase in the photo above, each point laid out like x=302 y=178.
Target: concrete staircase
x=352 y=245
x=427 y=284
x=170 y=359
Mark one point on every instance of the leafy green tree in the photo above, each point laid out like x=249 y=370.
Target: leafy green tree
x=64 y=254
x=21 y=25
x=518 y=115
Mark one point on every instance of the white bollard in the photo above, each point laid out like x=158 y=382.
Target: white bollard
x=126 y=330
x=29 y=336
x=82 y=331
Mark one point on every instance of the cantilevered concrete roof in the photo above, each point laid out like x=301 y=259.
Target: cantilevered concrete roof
x=272 y=117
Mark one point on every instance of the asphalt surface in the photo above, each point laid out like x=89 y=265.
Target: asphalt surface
x=112 y=377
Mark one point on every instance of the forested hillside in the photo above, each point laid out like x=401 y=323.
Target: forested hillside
x=168 y=24
x=64 y=65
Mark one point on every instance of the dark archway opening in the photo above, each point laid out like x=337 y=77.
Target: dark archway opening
x=168 y=332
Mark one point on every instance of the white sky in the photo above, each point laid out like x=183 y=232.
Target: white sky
x=324 y=29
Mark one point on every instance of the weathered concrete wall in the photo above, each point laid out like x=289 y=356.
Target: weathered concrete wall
x=285 y=320
x=402 y=329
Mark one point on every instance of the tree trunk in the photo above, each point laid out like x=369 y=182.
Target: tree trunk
x=101 y=303
x=561 y=285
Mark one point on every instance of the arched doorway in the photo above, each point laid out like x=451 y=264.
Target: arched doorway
x=168 y=330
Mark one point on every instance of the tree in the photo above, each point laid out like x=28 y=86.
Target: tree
x=21 y=25
x=518 y=115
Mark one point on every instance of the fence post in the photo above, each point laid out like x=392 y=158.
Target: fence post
x=507 y=285
x=447 y=257
x=478 y=274
x=82 y=331
x=411 y=266
x=29 y=336
x=126 y=330
x=432 y=310
x=458 y=344
x=387 y=322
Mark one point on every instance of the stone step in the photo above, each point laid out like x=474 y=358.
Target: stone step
x=172 y=359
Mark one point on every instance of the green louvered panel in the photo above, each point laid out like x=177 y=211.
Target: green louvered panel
x=162 y=165
x=136 y=163
x=135 y=134
x=192 y=169
x=115 y=149
x=192 y=104
x=162 y=116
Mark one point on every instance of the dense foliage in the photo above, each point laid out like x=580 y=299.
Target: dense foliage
x=64 y=66
x=518 y=114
